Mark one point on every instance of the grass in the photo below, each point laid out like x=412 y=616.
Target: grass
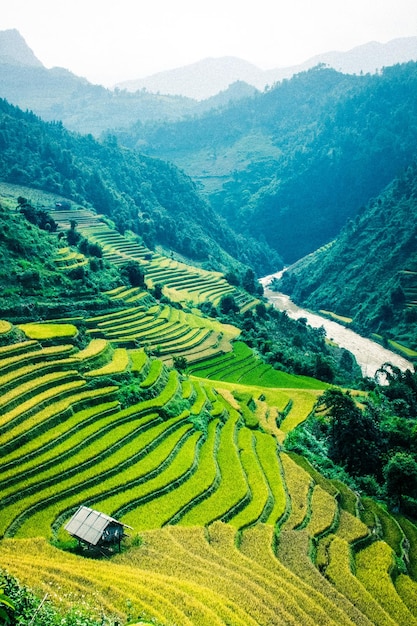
x=337 y=318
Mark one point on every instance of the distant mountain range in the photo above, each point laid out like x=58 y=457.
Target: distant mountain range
x=207 y=77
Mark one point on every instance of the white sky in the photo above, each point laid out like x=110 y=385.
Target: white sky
x=108 y=41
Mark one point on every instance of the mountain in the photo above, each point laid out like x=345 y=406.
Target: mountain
x=369 y=273
x=59 y=95
x=289 y=166
x=367 y=58
x=15 y=51
x=145 y=195
x=207 y=77
x=199 y=80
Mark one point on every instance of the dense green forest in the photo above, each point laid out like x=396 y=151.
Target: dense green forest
x=372 y=448
x=291 y=165
x=150 y=197
x=369 y=273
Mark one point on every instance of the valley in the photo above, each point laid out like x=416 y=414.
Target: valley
x=260 y=472
x=369 y=354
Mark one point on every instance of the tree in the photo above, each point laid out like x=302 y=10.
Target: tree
x=355 y=439
x=249 y=281
x=401 y=477
x=132 y=273
x=228 y=305
x=180 y=363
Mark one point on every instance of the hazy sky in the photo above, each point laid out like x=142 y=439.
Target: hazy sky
x=113 y=40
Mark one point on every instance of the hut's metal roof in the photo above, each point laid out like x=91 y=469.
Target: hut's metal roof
x=89 y=525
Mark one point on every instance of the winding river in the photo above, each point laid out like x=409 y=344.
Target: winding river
x=369 y=354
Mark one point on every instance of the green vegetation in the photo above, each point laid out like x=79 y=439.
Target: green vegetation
x=175 y=399
x=369 y=272
x=263 y=160
x=150 y=197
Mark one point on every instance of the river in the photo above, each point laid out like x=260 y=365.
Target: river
x=369 y=354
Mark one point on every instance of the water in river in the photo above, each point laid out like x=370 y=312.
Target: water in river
x=369 y=354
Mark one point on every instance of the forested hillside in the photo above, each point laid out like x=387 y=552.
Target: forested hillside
x=369 y=273
x=291 y=165
x=145 y=195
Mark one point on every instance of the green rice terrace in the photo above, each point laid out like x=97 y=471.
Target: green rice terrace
x=226 y=526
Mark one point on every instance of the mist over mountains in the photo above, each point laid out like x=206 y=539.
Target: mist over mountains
x=209 y=76
x=283 y=170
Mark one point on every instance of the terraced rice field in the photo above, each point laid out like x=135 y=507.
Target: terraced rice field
x=242 y=366
x=180 y=282
x=227 y=528
x=162 y=330
x=195 y=466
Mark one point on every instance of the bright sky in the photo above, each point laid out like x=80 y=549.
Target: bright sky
x=108 y=41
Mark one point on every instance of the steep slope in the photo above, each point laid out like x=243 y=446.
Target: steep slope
x=369 y=272
x=15 y=51
x=291 y=165
x=146 y=195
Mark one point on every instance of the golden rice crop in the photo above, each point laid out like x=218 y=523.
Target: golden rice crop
x=33 y=386
x=185 y=553
x=40 y=522
x=323 y=511
x=91 y=450
x=5 y=327
x=119 y=363
x=157 y=512
x=298 y=484
x=139 y=359
x=36 y=452
x=406 y=588
x=33 y=355
x=44 y=330
x=373 y=566
x=303 y=403
x=94 y=348
x=293 y=551
x=271 y=465
x=259 y=487
x=233 y=486
x=272 y=576
x=50 y=395
x=166 y=477
x=351 y=528
x=340 y=574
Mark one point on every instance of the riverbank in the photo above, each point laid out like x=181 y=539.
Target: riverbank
x=369 y=354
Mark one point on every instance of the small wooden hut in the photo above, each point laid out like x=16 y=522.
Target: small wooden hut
x=95 y=529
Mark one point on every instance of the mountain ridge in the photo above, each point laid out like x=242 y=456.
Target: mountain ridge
x=208 y=76
x=15 y=51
